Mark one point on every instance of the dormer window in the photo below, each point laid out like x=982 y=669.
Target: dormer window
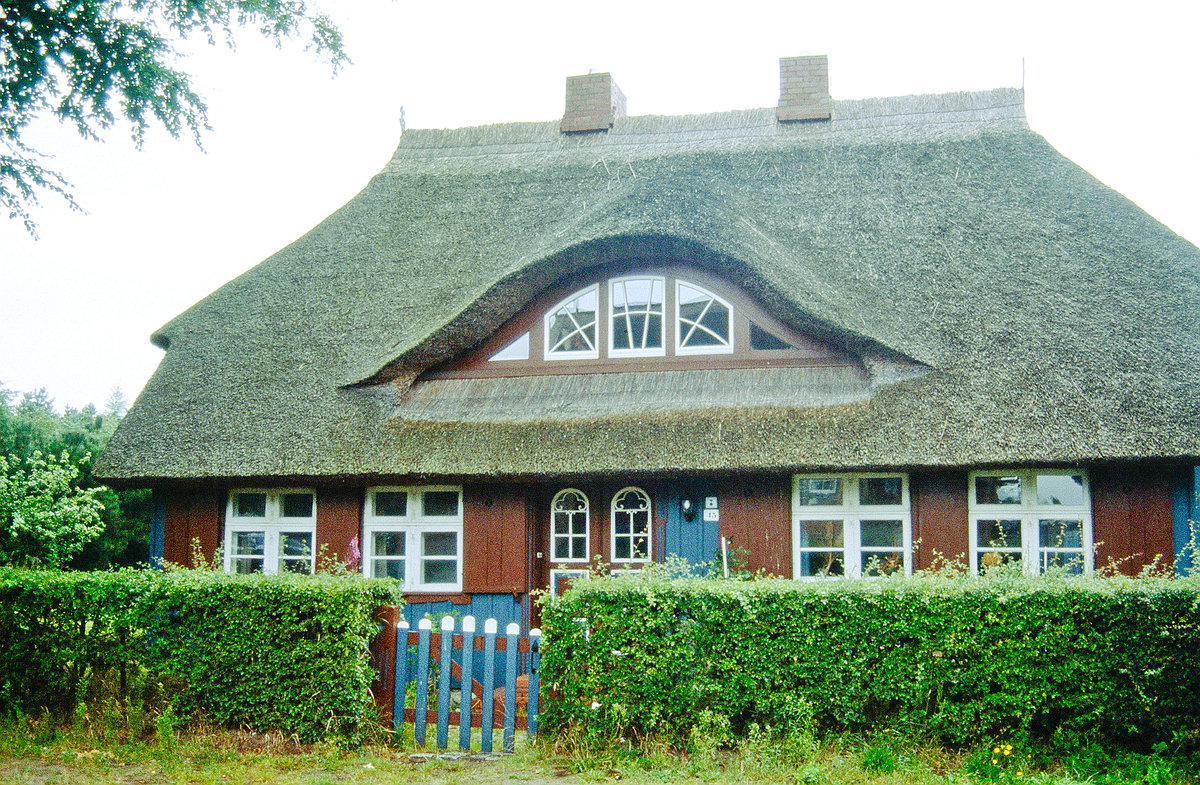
x=571 y=327
x=656 y=319
x=635 y=317
x=704 y=321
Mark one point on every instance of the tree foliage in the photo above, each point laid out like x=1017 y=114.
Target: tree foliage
x=90 y=62
x=45 y=517
x=45 y=453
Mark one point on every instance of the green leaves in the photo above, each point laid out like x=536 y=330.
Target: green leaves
x=965 y=659
x=280 y=653
x=90 y=62
x=45 y=518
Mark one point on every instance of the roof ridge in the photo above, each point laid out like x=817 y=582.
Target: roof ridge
x=913 y=117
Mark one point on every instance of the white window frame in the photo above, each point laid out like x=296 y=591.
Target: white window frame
x=612 y=528
x=852 y=513
x=1030 y=513
x=413 y=524
x=680 y=349
x=587 y=529
x=660 y=351
x=271 y=524
x=578 y=354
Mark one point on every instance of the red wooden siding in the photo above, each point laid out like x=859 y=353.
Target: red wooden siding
x=939 y=510
x=192 y=515
x=1132 y=516
x=756 y=516
x=495 y=540
x=339 y=522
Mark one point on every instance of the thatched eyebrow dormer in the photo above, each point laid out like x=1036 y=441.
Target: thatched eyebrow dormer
x=635 y=338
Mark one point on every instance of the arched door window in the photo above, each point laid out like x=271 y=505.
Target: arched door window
x=569 y=526
x=631 y=526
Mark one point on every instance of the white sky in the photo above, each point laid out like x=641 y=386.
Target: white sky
x=1114 y=90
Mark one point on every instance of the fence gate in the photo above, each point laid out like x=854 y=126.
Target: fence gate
x=494 y=677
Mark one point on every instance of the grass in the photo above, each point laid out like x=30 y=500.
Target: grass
x=36 y=753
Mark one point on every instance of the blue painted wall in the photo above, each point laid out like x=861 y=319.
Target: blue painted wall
x=158 y=520
x=1186 y=504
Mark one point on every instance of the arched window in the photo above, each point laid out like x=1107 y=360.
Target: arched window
x=571 y=326
x=704 y=321
x=636 y=316
x=569 y=526
x=631 y=526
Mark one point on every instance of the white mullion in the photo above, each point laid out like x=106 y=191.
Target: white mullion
x=852 y=557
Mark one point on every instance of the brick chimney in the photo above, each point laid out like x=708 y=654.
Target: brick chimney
x=804 y=89
x=593 y=102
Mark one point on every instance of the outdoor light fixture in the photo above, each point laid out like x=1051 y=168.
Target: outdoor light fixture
x=689 y=510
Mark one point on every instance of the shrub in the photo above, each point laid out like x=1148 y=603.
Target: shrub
x=965 y=659
x=281 y=652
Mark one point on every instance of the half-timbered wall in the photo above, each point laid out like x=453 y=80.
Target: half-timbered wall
x=1132 y=516
x=939 y=515
x=756 y=516
x=1136 y=521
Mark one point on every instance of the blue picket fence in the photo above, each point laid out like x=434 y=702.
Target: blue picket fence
x=493 y=674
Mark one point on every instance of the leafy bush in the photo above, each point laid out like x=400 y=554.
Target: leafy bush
x=281 y=652
x=965 y=659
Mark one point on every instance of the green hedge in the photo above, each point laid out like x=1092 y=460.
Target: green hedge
x=265 y=652
x=964 y=659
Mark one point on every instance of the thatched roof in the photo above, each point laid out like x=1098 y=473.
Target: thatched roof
x=1053 y=320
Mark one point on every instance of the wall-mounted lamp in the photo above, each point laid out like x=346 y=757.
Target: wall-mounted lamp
x=689 y=510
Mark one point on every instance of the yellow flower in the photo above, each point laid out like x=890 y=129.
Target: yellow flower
x=997 y=750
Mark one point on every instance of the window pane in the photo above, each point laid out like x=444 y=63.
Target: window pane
x=578 y=548
x=250 y=505
x=297 y=505
x=882 y=534
x=821 y=534
x=299 y=566
x=637 y=306
x=439 y=544
x=1068 y=562
x=439 y=503
x=392 y=504
x=621 y=548
x=295 y=544
x=819 y=491
x=562 y=548
x=703 y=321
x=822 y=564
x=641 y=546
x=995 y=559
x=572 y=328
x=999 y=533
x=762 y=341
x=249 y=543
x=517 y=350
x=1060 y=533
x=388 y=568
x=438 y=571
x=886 y=563
x=998 y=490
x=1064 y=489
x=880 y=490
x=388 y=543
x=562 y=524
x=570 y=502
x=247 y=566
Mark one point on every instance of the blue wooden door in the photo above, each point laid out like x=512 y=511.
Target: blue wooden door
x=690 y=533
